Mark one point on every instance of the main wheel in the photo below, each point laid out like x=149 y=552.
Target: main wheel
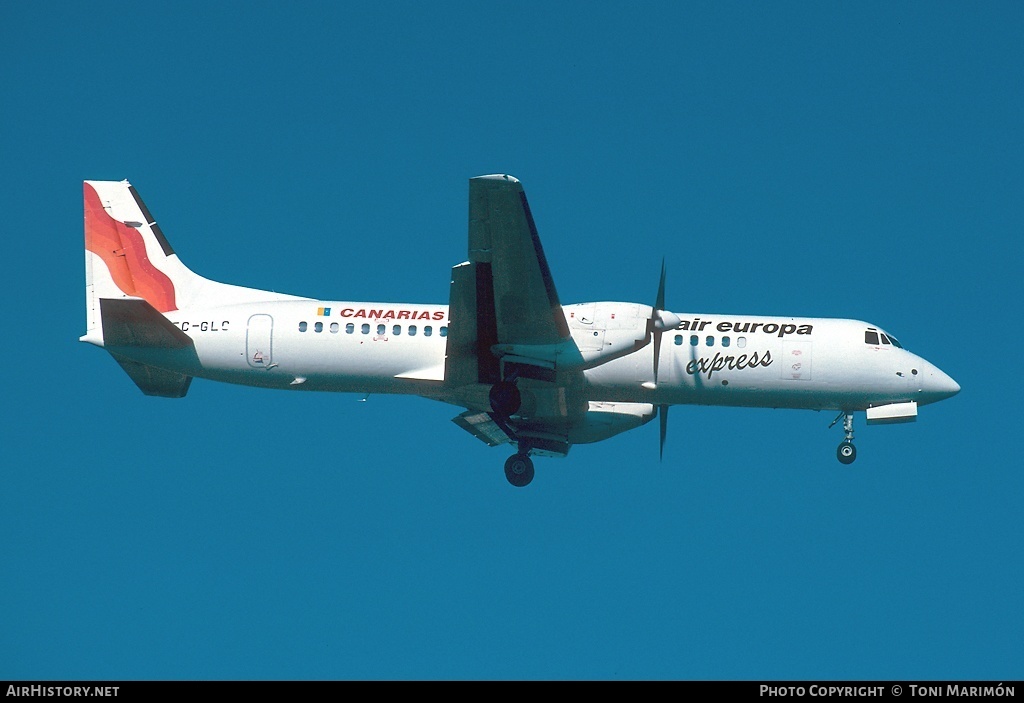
x=505 y=398
x=519 y=470
x=846 y=452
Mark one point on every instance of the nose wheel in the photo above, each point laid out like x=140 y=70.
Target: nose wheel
x=846 y=452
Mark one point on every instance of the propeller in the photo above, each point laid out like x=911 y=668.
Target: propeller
x=661 y=321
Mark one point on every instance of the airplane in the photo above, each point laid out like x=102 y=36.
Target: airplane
x=527 y=369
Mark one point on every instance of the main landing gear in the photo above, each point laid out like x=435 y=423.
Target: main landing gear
x=506 y=400
x=846 y=452
x=519 y=468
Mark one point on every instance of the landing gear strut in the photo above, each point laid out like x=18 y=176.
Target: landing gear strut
x=846 y=452
x=519 y=468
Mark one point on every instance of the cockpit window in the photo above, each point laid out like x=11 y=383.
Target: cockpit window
x=871 y=336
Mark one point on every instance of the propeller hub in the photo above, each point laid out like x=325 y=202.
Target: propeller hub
x=665 y=320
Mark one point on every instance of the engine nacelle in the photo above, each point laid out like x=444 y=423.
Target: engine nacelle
x=606 y=331
x=604 y=420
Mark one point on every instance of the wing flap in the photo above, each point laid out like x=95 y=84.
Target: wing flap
x=483 y=427
x=468 y=357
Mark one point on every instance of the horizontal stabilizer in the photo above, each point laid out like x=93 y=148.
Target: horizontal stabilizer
x=132 y=322
x=154 y=381
x=483 y=427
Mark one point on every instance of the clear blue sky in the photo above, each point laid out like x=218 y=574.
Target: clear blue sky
x=855 y=160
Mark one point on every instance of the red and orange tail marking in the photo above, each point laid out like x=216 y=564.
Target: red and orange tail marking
x=124 y=252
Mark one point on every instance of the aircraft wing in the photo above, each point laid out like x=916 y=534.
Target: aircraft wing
x=502 y=234
x=506 y=322
x=504 y=293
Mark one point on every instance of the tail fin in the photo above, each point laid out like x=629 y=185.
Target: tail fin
x=127 y=255
x=133 y=279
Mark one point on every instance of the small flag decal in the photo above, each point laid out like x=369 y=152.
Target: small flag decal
x=323 y=312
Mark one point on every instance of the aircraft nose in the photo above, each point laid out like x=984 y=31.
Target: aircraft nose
x=938 y=385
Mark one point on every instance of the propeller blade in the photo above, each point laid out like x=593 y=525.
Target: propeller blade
x=657 y=353
x=660 y=321
x=663 y=419
x=659 y=302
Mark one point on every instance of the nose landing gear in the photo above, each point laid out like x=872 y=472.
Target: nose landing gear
x=846 y=452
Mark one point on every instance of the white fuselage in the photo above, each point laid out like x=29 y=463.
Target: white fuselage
x=736 y=360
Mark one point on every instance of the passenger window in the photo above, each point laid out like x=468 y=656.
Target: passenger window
x=366 y=328
x=679 y=340
x=725 y=341
x=334 y=328
x=350 y=328
x=871 y=337
x=412 y=330
x=302 y=327
x=443 y=331
x=319 y=327
x=741 y=342
x=694 y=341
x=396 y=330
x=710 y=341
x=381 y=329
x=427 y=330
